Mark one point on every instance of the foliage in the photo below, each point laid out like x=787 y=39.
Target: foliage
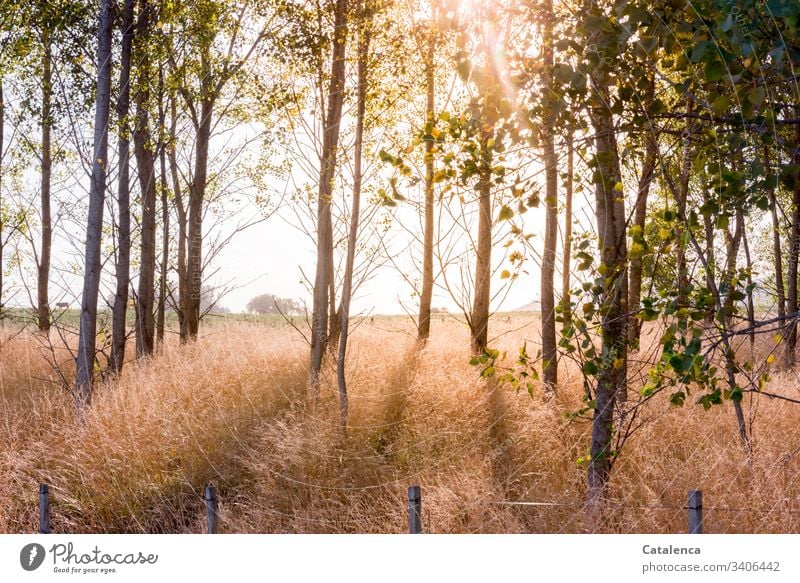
x=272 y=304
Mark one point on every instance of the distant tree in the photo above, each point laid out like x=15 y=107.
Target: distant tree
x=272 y=304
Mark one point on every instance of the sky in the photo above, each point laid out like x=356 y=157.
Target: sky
x=272 y=256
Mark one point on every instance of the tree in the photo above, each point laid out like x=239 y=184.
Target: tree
x=85 y=356
x=792 y=298
x=165 y=223
x=324 y=298
x=428 y=46
x=144 y=148
x=123 y=276
x=43 y=307
x=549 y=354
x=200 y=74
x=365 y=12
x=266 y=304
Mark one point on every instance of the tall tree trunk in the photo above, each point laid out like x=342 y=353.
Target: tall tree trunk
x=163 y=190
x=776 y=244
x=610 y=215
x=426 y=296
x=145 y=163
x=197 y=192
x=751 y=308
x=180 y=208
x=43 y=273
x=479 y=318
x=355 y=215
x=711 y=269
x=164 y=267
x=734 y=242
x=682 y=277
x=548 y=301
x=794 y=251
x=85 y=356
x=639 y=217
x=2 y=223
x=566 y=269
x=330 y=144
x=123 y=275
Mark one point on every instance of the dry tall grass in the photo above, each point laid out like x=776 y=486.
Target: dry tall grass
x=232 y=410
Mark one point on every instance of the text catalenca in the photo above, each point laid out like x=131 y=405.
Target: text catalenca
x=670 y=550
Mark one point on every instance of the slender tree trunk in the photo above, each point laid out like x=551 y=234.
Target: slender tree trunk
x=639 y=217
x=426 y=297
x=794 y=250
x=183 y=287
x=334 y=315
x=330 y=144
x=776 y=245
x=708 y=225
x=162 y=292
x=610 y=215
x=197 y=191
x=682 y=279
x=2 y=222
x=751 y=308
x=85 y=357
x=548 y=301
x=43 y=281
x=734 y=242
x=566 y=270
x=123 y=275
x=163 y=190
x=355 y=215
x=479 y=318
x=145 y=162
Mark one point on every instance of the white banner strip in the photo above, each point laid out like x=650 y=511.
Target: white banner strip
x=407 y=558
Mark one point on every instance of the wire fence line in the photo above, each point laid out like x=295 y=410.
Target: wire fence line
x=647 y=507
x=694 y=507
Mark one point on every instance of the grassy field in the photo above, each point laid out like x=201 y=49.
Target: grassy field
x=232 y=410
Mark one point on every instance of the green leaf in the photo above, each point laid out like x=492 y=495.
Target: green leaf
x=756 y=95
x=699 y=51
x=677 y=399
x=721 y=105
x=714 y=70
x=505 y=213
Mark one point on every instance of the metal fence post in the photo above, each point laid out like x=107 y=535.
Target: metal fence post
x=695 y=512
x=44 y=509
x=414 y=510
x=212 y=506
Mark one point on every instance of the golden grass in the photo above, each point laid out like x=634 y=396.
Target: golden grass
x=232 y=410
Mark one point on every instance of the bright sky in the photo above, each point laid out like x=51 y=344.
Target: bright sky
x=272 y=256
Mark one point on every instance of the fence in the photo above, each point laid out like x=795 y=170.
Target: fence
x=211 y=506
